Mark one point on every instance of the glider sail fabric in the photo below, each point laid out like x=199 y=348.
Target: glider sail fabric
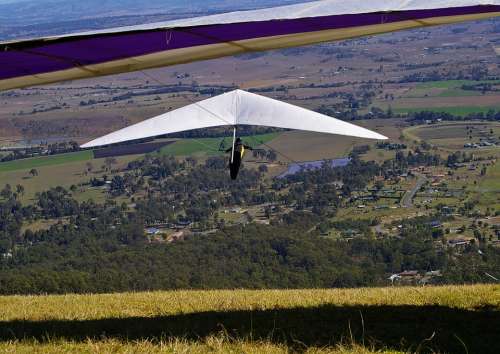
x=89 y=54
x=237 y=107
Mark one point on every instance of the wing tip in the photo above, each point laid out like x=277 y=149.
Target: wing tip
x=90 y=144
x=381 y=137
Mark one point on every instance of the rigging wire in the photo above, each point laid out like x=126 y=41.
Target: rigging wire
x=220 y=118
x=273 y=149
x=215 y=115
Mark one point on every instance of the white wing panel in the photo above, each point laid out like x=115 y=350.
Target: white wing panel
x=259 y=110
x=212 y=112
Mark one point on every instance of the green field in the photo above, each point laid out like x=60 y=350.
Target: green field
x=64 y=174
x=457 y=111
x=487 y=194
x=450 y=84
x=52 y=160
x=491 y=182
x=210 y=146
x=447 y=97
x=453 y=319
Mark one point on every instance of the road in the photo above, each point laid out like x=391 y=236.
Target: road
x=407 y=200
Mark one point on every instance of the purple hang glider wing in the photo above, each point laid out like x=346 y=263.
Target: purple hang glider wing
x=83 y=55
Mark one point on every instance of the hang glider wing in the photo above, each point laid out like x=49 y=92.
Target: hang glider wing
x=90 y=54
x=235 y=108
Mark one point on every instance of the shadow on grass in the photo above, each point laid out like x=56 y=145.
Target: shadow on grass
x=422 y=328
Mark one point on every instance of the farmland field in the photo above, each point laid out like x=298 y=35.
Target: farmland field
x=445 y=96
x=52 y=160
x=488 y=192
x=454 y=110
x=450 y=84
x=64 y=174
x=491 y=183
x=307 y=146
x=444 y=319
x=454 y=135
x=449 y=88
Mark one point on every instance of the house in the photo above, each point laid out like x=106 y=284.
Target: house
x=459 y=242
x=407 y=276
x=176 y=236
x=435 y=224
x=7 y=255
x=152 y=231
x=182 y=224
x=447 y=210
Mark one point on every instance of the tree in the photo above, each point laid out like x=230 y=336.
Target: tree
x=89 y=167
x=117 y=185
x=20 y=189
x=6 y=192
x=271 y=155
x=109 y=162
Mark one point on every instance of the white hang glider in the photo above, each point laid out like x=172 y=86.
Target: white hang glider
x=89 y=54
x=235 y=108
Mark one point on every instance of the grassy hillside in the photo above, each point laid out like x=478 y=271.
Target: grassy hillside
x=57 y=170
x=52 y=160
x=455 y=319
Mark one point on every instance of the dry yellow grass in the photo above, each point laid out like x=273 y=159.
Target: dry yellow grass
x=362 y=320
x=210 y=345
x=164 y=303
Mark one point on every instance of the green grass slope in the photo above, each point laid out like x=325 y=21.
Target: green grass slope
x=35 y=162
x=456 y=319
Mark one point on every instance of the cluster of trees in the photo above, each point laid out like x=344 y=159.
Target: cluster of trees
x=52 y=149
x=423 y=117
x=458 y=157
x=163 y=89
x=101 y=249
x=482 y=87
x=205 y=188
x=477 y=72
x=417 y=158
x=390 y=146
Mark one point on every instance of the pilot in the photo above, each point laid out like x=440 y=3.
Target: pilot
x=237 y=157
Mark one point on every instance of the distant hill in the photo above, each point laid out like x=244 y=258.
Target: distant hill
x=32 y=18
x=39 y=11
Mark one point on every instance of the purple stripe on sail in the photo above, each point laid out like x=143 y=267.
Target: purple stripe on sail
x=295 y=168
x=64 y=53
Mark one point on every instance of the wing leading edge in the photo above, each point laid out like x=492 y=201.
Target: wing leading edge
x=119 y=50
